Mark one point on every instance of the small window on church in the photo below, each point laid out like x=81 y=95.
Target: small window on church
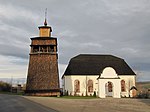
x=123 y=86
x=90 y=86
x=76 y=86
x=110 y=87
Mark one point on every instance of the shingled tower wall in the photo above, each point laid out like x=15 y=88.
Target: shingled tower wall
x=43 y=78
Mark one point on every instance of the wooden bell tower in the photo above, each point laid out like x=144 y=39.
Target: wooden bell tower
x=43 y=78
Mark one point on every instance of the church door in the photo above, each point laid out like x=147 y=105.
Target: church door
x=109 y=89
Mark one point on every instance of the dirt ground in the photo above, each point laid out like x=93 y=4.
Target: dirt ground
x=94 y=105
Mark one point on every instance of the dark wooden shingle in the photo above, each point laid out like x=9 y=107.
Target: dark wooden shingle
x=89 y=64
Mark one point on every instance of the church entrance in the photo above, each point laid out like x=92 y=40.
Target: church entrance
x=109 y=89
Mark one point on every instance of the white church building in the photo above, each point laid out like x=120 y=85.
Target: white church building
x=105 y=75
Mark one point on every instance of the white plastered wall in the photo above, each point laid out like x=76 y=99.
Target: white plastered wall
x=99 y=86
x=116 y=87
x=129 y=82
x=69 y=84
x=109 y=75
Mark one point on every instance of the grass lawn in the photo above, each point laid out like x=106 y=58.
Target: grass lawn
x=78 y=97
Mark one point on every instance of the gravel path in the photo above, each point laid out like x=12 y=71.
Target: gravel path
x=94 y=105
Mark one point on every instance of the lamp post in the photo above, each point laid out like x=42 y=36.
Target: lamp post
x=11 y=83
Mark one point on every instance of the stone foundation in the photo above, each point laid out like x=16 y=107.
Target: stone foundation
x=42 y=92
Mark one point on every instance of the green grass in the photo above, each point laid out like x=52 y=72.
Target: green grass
x=78 y=97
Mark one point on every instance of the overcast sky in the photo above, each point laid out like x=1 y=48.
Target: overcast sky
x=117 y=27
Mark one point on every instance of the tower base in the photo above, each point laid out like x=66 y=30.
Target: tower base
x=51 y=92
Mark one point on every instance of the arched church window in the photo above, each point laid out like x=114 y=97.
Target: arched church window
x=123 y=86
x=90 y=86
x=110 y=87
x=76 y=86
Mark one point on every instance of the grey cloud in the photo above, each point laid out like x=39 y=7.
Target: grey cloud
x=10 y=50
x=121 y=28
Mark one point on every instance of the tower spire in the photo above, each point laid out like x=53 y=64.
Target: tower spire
x=45 y=30
x=45 y=22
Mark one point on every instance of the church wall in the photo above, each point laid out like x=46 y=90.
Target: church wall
x=69 y=84
x=109 y=76
x=109 y=72
x=129 y=82
x=116 y=87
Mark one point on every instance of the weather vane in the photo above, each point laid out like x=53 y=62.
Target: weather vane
x=45 y=13
x=45 y=23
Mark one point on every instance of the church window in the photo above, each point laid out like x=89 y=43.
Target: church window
x=123 y=86
x=90 y=86
x=110 y=87
x=77 y=86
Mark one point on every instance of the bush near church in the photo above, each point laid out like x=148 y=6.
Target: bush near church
x=4 y=86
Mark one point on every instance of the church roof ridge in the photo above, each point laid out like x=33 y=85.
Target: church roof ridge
x=96 y=56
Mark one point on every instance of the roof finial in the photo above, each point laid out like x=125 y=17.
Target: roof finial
x=45 y=22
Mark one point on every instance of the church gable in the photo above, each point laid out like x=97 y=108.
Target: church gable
x=109 y=72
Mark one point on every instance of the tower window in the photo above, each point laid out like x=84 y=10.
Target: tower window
x=43 y=48
x=50 y=48
x=35 y=49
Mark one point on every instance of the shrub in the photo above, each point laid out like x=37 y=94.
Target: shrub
x=143 y=95
x=94 y=94
x=4 y=86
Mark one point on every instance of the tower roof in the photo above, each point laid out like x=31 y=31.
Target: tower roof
x=45 y=25
x=45 y=22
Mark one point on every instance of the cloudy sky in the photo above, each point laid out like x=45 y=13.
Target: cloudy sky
x=117 y=27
